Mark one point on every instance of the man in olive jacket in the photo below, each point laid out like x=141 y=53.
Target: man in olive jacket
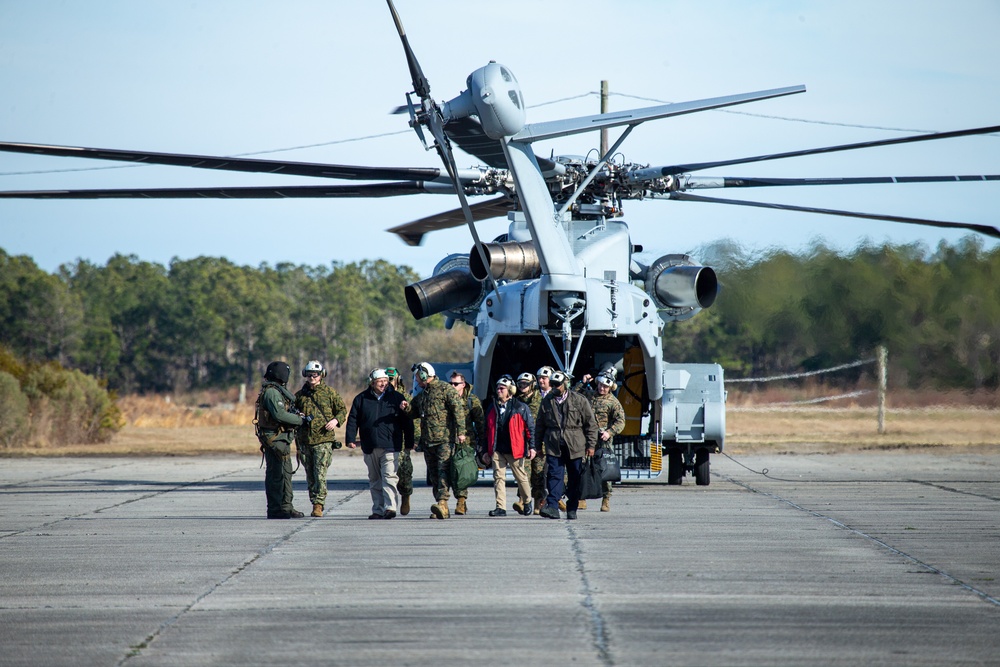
x=567 y=430
x=475 y=425
x=275 y=429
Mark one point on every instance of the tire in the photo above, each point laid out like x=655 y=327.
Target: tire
x=675 y=468
x=701 y=468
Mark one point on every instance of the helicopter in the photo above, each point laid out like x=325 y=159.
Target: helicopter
x=563 y=286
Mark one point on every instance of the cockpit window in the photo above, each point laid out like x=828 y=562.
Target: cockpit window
x=507 y=76
x=514 y=98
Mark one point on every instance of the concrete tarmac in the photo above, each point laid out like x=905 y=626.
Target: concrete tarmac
x=830 y=559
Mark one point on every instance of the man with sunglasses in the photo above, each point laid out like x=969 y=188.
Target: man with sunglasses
x=475 y=423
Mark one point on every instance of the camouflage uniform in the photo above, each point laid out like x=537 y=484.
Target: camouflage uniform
x=610 y=417
x=475 y=424
x=314 y=443
x=276 y=427
x=535 y=467
x=405 y=471
x=441 y=412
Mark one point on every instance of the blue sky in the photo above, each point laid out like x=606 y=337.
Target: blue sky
x=251 y=77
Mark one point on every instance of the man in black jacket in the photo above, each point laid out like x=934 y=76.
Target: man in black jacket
x=378 y=416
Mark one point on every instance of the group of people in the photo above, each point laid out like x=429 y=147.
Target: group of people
x=536 y=425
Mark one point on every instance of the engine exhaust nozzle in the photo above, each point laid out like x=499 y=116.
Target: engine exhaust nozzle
x=507 y=261
x=686 y=286
x=452 y=290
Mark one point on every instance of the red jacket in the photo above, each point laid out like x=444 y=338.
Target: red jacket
x=520 y=425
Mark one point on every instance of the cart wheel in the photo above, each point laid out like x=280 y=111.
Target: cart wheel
x=701 y=476
x=675 y=468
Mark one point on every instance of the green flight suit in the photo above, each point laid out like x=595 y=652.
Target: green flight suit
x=276 y=429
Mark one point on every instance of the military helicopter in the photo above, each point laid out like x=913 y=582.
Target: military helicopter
x=563 y=287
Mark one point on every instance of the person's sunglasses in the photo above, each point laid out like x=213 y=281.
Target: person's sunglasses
x=457 y=384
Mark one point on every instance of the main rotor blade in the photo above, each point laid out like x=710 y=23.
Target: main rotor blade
x=421 y=86
x=697 y=166
x=982 y=229
x=344 y=171
x=711 y=182
x=289 y=192
x=413 y=232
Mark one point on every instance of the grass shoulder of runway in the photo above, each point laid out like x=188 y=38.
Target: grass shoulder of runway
x=159 y=427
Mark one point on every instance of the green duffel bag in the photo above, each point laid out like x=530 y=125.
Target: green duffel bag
x=464 y=469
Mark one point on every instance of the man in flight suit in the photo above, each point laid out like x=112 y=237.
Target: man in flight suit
x=275 y=431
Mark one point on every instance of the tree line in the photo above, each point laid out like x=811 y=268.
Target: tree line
x=208 y=323
x=938 y=313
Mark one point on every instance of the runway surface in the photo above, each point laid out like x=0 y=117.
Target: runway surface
x=830 y=559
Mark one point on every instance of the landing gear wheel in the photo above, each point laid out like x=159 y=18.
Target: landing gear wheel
x=701 y=476
x=675 y=468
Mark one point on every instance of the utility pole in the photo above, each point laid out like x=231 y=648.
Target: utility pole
x=883 y=374
x=604 y=109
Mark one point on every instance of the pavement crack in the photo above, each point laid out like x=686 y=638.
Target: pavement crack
x=242 y=567
x=935 y=485
x=98 y=510
x=986 y=597
x=68 y=474
x=598 y=628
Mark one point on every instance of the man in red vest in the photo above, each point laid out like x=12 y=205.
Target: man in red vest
x=509 y=432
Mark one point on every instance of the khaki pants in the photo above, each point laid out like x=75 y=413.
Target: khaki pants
x=500 y=463
x=382 y=464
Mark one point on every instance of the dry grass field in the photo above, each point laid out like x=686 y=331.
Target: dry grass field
x=158 y=426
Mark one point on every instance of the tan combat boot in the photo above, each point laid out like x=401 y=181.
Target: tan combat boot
x=539 y=501
x=404 y=506
x=317 y=509
x=582 y=505
x=440 y=510
x=518 y=507
x=606 y=504
x=459 y=508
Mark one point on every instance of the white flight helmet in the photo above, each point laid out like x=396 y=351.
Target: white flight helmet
x=314 y=367
x=424 y=370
